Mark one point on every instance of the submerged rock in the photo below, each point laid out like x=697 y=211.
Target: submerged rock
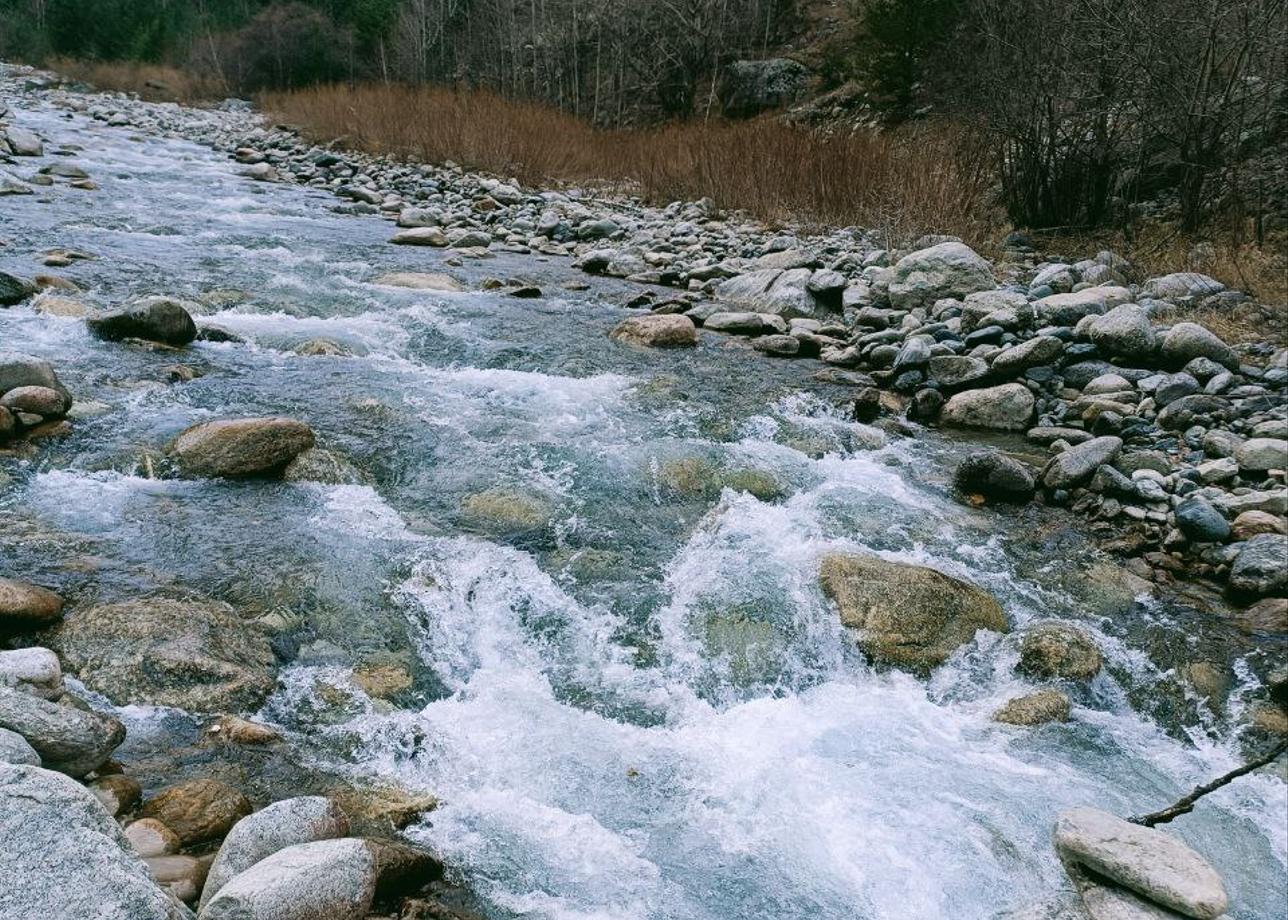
x=65 y=858
x=241 y=448
x=196 y=655
x=1035 y=708
x=907 y=616
x=1057 y=650
x=198 y=810
x=422 y=281
x=1146 y=861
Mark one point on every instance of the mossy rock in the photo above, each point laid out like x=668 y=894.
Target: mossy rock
x=907 y=616
x=504 y=511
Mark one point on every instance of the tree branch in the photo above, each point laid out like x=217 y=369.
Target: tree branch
x=1186 y=805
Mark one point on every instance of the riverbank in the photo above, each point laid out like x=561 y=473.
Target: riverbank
x=562 y=582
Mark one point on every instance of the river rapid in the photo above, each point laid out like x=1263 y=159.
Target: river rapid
x=627 y=689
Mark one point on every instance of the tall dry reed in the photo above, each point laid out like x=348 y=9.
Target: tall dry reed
x=926 y=179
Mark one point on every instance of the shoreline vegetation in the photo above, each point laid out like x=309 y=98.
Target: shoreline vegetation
x=924 y=177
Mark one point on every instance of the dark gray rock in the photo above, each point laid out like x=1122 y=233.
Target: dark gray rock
x=1200 y=522
x=995 y=475
x=153 y=319
x=1076 y=464
x=1261 y=567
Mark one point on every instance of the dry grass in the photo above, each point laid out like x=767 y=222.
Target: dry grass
x=154 y=82
x=901 y=184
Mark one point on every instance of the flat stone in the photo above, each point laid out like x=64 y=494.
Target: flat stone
x=1144 y=860
x=1035 y=708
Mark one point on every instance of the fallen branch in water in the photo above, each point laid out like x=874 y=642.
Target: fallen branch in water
x=1186 y=805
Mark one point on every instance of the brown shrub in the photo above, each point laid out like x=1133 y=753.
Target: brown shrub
x=930 y=178
x=155 y=82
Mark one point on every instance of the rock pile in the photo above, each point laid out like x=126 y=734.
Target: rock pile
x=33 y=401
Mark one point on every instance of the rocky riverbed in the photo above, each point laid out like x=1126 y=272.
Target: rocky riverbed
x=498 y=563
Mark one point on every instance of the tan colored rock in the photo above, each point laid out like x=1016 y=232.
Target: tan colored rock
x=382 y=681
x=1252 y=523
x=907 y=616
x=55 y=305
x=236 y=730
x=182 y=876
x=241 y=448
x=118 y=793
x=1267 y=615
x=667 y=330
x=198 y=810
x=422 y=281
x=1036 y=708
x=27 y=606
x=381 y=809
x=149 y=837
x=1056 y=650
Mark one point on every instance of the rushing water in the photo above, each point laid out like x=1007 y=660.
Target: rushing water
x=631 y=698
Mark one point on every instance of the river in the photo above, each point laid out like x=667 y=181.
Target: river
x=628 y=691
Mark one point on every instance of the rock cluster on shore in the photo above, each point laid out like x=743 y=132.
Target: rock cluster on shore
x=88 y=841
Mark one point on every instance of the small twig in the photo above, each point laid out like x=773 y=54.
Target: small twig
x=1186 y=805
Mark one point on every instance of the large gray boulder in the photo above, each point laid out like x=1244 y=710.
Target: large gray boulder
x=1067 y=309
x=751 y=87
x=1008 y=407
x=1075 y=465
x=1186 y=341
x=65 y=858
x=945 y=270
x=1261 y=567
x=283 y=824
x=1143 y=860
x=1180 y=287
x=153 y=319
x=197 y=655
x=1125 y=331
x=23 y=143
x=782 y=293
x=241 y=448
x=24 y=371
x=906 y=616
x=322 y=880
x=67 y=739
